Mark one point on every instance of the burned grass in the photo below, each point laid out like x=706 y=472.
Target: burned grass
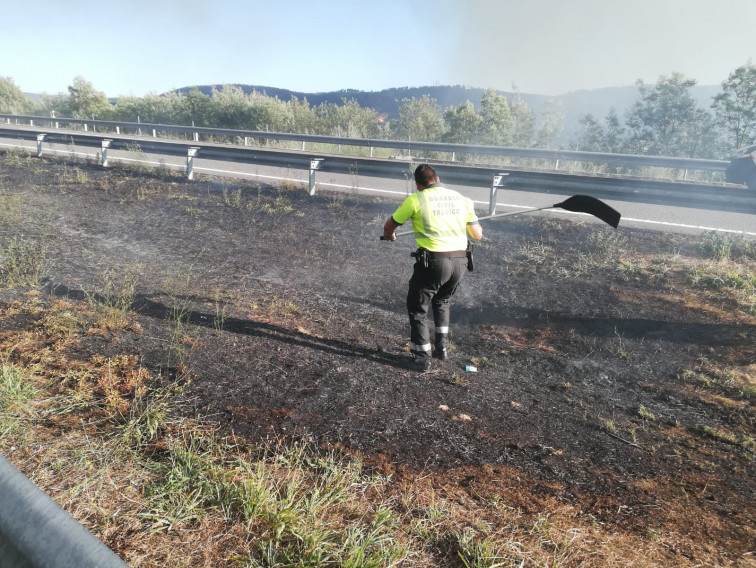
x=216 y=373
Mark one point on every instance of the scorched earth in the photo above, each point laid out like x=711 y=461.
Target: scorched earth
x=615 y=368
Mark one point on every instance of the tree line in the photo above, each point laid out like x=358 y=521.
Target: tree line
x=665 y=120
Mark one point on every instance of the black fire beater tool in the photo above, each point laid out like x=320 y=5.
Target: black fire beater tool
x=576 y=204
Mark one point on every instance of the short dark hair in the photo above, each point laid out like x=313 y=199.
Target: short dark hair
x=425 y=175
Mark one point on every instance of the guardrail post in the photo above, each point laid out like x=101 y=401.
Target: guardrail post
x=86 y=128
x=118 y=129
x=499 y=180
x=196 y=136
x=40 y=139
x=315 y=164
x=154 y=133
x=105 y=145
x=191 y=153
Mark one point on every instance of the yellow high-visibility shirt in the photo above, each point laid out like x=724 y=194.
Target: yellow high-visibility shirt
x=439 y=218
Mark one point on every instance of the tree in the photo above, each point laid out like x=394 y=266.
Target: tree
x=420 y=120
x=348 y=119
x=591 y=137
x=614 y=133
x=523 y=121
x=49 y=105
x=269 y=113
x=12 y=99
x=302 y=116
x=85 y=102
x=606 y=135
x=735 y=106
x=551 y=124
x=496 y=118
x=462 y=124
x=231 y=108
x=196 y=108
x=667 y=121
x=158 y=109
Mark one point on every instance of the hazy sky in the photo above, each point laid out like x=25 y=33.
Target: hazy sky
x=136 y=47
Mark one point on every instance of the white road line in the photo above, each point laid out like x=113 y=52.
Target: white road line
x=647 y=221
x=509 y=205
x=683 y=225
x=376 y=190
x=321 y=184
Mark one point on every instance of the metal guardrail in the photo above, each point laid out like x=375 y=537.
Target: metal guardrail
x=627 y=160
x=716 y=197
x=36 y=533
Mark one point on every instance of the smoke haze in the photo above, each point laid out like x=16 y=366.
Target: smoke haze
x=550 y=48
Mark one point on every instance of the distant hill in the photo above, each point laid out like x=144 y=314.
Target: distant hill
x=386 y=101
x=576 y=104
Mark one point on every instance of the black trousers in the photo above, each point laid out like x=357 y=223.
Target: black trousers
x=432 y=287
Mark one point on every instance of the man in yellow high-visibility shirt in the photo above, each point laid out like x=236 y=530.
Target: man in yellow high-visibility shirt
x=442 y=219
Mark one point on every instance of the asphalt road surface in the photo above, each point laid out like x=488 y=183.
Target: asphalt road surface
x=641 y=215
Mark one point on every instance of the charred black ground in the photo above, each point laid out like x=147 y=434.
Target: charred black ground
x=295 y=325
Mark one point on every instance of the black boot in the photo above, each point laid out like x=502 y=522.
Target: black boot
x=441 y=351
x=422 y=363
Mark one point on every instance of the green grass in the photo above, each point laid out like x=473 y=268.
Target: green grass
x=16 y=156
x=232 y=198
x=114 y=297
x=477 y=552
x=20 y=263
x=728 y=437
x=536 y=253
x=11 y=209
x=725 y=247
x=294 y=495
x=646 y=414
x=601 y=250
x=727 y=278
x=16 y=393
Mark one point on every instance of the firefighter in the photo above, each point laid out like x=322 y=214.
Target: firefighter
x=442 y=219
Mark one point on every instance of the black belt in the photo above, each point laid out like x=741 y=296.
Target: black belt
x=450 y=254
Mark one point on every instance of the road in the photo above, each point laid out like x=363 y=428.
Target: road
x=648 y=216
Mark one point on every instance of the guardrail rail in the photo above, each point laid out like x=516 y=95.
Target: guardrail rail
x=627 y=160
